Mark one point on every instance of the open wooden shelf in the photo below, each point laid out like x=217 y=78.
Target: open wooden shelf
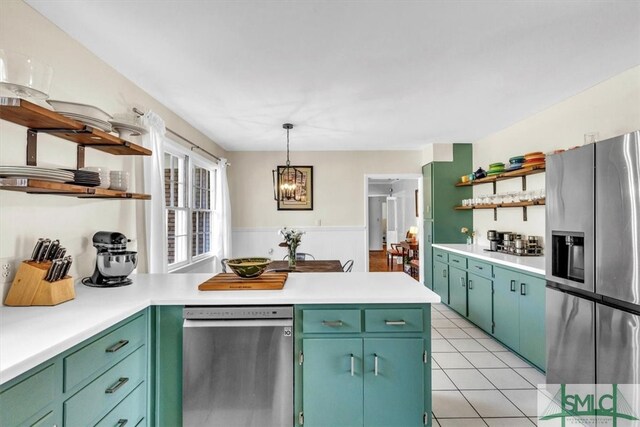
x=540 y=202
x=39 y=119
x=525 y=171
x=50 y=187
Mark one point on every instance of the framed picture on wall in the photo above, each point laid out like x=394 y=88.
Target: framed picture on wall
x=299 y=198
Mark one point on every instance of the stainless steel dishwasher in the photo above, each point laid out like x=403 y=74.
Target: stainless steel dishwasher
x=237 y=366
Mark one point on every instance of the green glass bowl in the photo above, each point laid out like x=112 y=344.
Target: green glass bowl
x=248 y=268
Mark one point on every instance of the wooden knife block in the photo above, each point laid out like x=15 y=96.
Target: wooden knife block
x=30 y=288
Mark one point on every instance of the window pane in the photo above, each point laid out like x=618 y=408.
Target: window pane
x=194 y=222
x=171 y=251
x=181 y=223
x=181 y=248
x=207 y=242
x=206 y=222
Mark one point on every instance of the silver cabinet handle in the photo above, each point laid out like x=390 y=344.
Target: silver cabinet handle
x=332 y=323
x=395 y=322
x=121 y=381
x=117 y=346
x=478 y=267
x=353 y=365
x=375 y=364
x=513 y=286
x=444 y=273
x=122 y=422
x=523 y=289
x=462 y=282
x=470 y=284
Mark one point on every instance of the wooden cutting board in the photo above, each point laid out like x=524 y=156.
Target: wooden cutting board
x=231 y=282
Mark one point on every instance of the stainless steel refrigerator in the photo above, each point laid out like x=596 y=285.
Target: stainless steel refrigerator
x=593 y=265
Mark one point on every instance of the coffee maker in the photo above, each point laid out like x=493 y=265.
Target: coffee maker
x=113 y=262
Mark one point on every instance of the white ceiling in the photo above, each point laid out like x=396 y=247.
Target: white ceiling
x=355 y=75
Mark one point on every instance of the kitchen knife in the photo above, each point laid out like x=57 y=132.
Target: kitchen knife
x=60 y=253
x=53 y=249
x=49 y=276
x=36 y=249
x=68 y=260
x=58 y=270
x=43 y=250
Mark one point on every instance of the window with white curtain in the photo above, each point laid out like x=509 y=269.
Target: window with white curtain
x=189 y=188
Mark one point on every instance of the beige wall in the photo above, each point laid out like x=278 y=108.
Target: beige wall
x=338 y=185
x=610 y=108
x=82 y=77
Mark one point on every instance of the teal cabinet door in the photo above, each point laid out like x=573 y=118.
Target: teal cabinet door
x=479 y=297
x=506 y=310
x=532 y=312
x=391 y=367
x=427 y=254
x=458 y=290
x=441 y=280
x=427 y=186
x=332 y=382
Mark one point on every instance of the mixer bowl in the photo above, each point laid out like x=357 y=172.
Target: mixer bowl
x=119 y=264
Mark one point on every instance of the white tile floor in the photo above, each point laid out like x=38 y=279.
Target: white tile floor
x=477 y=381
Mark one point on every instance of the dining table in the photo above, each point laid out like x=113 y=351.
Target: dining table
x=307 y=266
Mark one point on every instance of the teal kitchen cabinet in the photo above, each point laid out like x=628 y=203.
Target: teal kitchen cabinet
x=86 y=383
x=506 y=309
x=458 y=290
x=440 y=195
x=479 y=299
x=532 y=319
x=332 y=386
x=519 y=313
x=378 y=376
x=441 y=280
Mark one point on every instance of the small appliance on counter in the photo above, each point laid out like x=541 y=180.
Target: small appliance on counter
x=513 y=244
x=113 y=262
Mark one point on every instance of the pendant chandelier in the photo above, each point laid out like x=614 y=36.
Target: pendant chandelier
x=285 y=179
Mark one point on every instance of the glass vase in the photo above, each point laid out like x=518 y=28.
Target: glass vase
x=292 y=257
x=469 y=240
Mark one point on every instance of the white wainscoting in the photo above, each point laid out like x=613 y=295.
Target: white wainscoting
x=342 y=243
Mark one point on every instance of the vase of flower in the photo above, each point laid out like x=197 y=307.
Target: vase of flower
x=292 y=239
x=470 y=235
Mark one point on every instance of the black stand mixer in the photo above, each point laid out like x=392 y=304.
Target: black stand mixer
x=113 y=262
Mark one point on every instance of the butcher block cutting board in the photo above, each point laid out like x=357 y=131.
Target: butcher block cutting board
x=231 y=282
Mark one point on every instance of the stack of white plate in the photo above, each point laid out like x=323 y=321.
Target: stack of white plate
x=36 y=172
x=119 y=180
x=87 y=114
x=105 y=180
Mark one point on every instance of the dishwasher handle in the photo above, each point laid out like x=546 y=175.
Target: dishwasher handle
x=244 y=323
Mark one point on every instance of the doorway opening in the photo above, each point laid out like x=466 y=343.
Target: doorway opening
x=392 y=210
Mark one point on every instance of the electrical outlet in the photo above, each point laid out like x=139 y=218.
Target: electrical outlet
x=7 y=270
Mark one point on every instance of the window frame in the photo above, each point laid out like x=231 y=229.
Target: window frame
x=191 y=159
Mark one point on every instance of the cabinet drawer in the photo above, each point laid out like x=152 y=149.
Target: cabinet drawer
x=103 y=352
x=458 y=261
x=128 y=412
x=27 y=398
x=106 y=391
x=331 y=321
x=393 y=320
x=480 y=268
x=440 y=255
x=46 y=421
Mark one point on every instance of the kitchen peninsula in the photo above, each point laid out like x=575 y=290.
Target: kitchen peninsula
x=61 y=349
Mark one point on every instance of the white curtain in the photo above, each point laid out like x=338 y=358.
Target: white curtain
x=155 y=214
x=222 y=216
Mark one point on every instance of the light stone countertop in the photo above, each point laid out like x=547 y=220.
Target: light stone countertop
x=32 y=335
x=530 y=264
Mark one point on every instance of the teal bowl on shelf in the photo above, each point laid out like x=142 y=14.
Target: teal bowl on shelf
x=248 y=268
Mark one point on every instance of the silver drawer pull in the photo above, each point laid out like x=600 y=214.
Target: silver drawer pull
x=375 y=364
x=333 y=323
x=353 y=365
x=478 y=267
x=395 y=322
x=117 y=346
x=122 y=422
x=121 y=381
